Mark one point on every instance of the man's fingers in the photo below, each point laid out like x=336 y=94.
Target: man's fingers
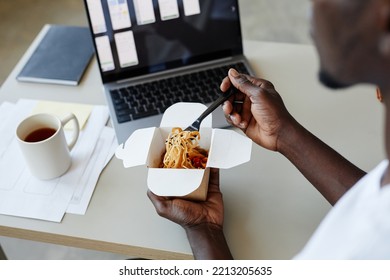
x=160 y=203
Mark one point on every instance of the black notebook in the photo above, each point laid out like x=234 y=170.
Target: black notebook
x=61 y=57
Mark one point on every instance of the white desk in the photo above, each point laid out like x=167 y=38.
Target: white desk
x=271 y=210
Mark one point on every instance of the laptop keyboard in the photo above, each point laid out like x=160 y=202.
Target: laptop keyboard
x=153 y=98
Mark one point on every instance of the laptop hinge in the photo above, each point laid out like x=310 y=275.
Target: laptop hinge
x=181 y=70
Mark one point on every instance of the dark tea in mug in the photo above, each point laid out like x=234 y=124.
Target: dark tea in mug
x=40 y=134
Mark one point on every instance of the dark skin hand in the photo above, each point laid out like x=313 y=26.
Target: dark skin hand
x=263 y=117
x=202 y=221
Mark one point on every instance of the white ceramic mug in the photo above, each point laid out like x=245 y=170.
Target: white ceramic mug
x=44 y=146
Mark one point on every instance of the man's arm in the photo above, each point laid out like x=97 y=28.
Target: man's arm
x=208 y=243
x=329 y=172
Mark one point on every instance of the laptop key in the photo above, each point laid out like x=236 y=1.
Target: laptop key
x=124 y=118
x=145 y=114
x=125 y=112
x=150 y=106
x=141 y=109
x=121 y=106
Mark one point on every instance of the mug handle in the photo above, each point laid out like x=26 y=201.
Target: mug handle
x=76 y=128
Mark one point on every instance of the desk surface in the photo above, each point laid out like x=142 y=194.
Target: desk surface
x=271 y=210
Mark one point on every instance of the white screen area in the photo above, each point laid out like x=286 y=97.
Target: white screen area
x=119 y=13
x=97 y=16
x=127 y=52
x=104 y=52
x=144 y=11
x=168 y=9
x=191 y=7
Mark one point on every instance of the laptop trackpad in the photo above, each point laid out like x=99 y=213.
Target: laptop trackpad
x=219 y=120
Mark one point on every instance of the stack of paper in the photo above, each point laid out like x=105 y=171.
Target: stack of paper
x=23 y=195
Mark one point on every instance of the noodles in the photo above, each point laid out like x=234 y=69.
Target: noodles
x=183 y=151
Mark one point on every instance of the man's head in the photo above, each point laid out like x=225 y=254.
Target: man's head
x=353 y=41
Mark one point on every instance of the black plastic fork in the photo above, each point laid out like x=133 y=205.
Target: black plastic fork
x=225 y=96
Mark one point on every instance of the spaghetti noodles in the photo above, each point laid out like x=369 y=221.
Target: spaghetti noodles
x=183 y=151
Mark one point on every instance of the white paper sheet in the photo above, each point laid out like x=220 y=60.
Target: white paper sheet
x=23 y=195
x=103 y=152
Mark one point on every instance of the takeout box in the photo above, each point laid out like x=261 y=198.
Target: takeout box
x=146 y=146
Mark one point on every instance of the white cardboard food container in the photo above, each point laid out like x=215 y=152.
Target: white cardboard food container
x=146 y=146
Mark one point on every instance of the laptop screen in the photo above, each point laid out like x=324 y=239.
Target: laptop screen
x=138 y=37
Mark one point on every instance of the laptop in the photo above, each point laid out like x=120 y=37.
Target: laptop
x=154 y=53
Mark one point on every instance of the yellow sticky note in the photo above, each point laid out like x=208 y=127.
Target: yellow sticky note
x=61 y=109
